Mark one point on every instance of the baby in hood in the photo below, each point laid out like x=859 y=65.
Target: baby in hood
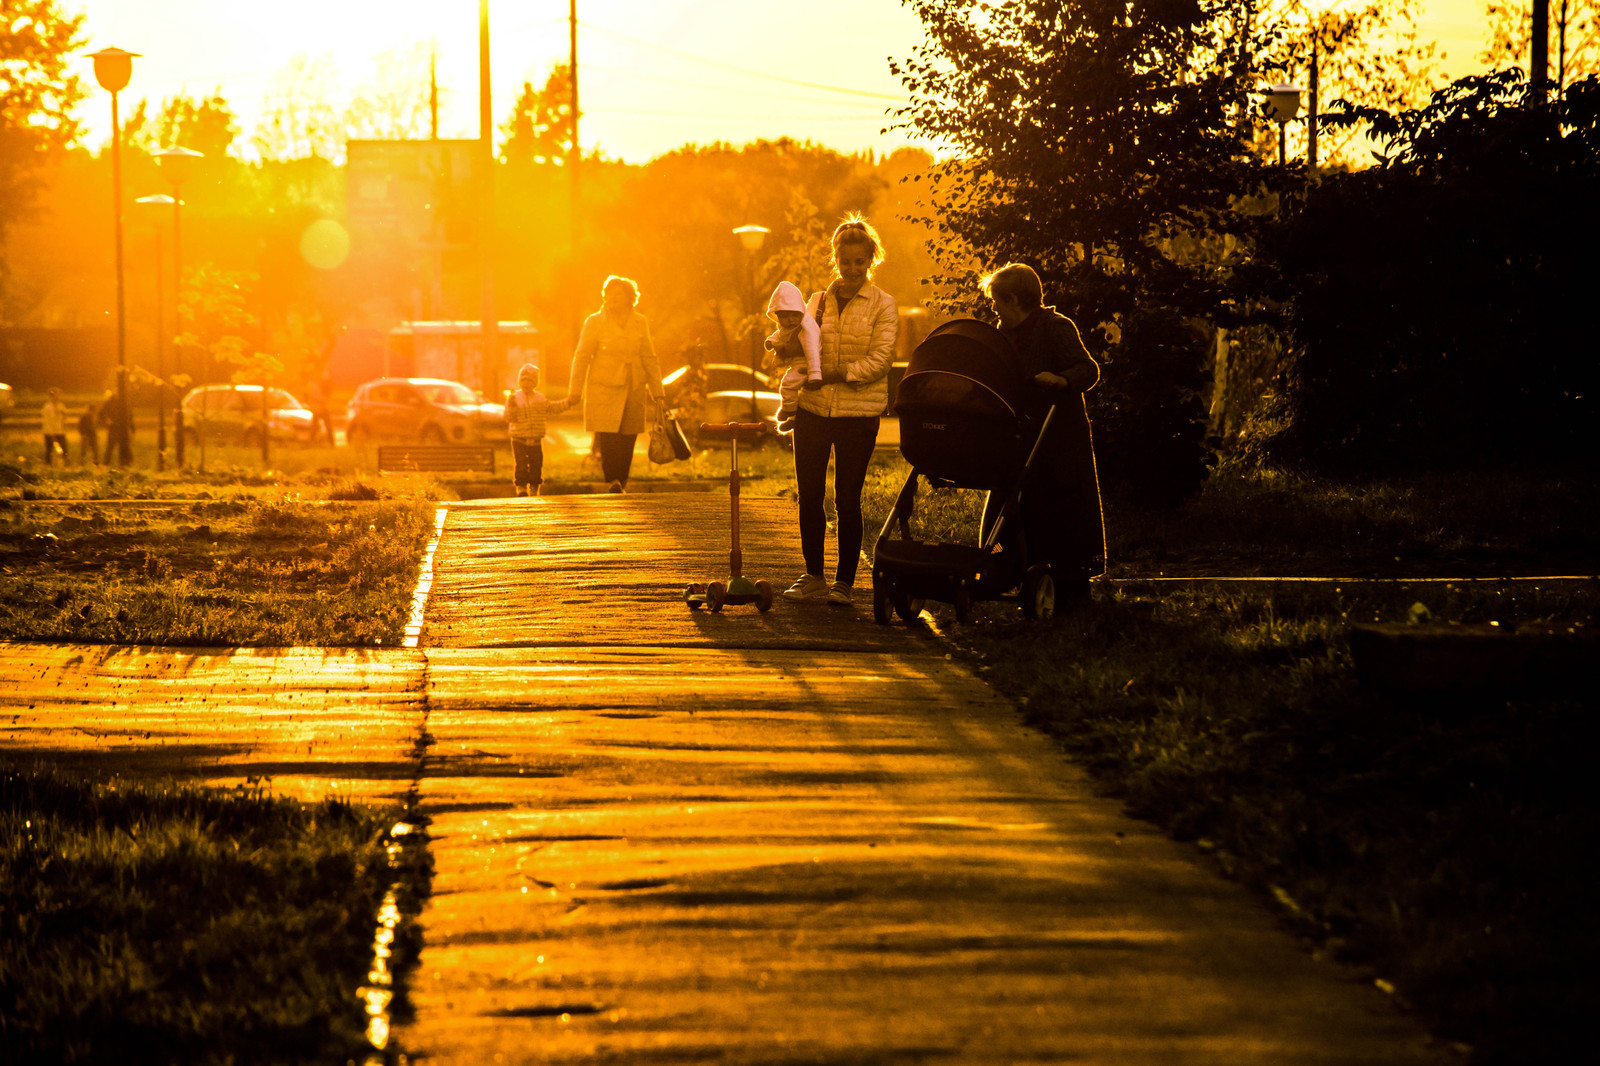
x=797 y=343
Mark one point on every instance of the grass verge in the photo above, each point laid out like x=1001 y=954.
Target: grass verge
x=1441 y=845
x=157 y=923
x=273 y=571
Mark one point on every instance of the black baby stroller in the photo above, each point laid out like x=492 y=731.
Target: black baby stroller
x=961 y=425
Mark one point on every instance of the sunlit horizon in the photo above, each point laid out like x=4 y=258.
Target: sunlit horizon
x=653 y=77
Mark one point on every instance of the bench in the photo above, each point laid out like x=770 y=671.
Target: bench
x=436 y=458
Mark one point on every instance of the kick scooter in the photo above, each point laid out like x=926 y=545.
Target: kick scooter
x=738 y=588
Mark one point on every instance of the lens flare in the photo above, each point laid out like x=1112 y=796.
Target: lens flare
x=325 y=244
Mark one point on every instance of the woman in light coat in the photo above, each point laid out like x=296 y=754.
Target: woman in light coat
x=859 y=323
x=615 y=371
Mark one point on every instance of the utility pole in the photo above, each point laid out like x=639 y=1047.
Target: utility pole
x=433 y=95
x=489 y=317
x=1311 y=116
x=576 y=155
x=1539 y=60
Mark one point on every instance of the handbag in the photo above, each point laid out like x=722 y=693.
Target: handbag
x=667 y=441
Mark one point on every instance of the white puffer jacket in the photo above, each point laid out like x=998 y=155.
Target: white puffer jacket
x=860 y=345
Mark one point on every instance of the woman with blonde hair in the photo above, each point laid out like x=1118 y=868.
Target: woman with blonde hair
x=615 y=371
x=858 y=323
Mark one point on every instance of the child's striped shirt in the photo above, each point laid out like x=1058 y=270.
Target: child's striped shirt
x=525 y=415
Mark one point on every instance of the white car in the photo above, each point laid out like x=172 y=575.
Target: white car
x=234 y=414
x=7 y=401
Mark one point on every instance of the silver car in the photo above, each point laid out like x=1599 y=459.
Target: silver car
x=430 y=410
x=726 y=406
x=235 y=414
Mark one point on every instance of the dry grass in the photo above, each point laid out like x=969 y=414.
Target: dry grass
x=228 y=572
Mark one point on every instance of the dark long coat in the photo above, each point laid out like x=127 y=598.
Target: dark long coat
x=1061 y=507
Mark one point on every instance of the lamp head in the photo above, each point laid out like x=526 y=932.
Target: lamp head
x=113 y=68
x=176 y=162
x=752 y=237
x=1283 y=102
x=158 y=198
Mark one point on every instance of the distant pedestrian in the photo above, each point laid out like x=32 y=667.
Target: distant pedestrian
x=116 y=415
x=321 y=404
x=526 y=411
x=53 y=420
x=1061 y=512
x=615 y=371
x=88 y=435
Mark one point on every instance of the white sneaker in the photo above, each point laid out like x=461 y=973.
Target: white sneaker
x=808 y=588
x=839 y=595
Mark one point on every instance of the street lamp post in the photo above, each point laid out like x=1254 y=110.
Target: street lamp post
x=752 y=238
x=160 y=200
x=113 y=68
x=1283 y=103
x=176 y=163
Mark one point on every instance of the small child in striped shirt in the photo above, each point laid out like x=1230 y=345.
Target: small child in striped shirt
x=526 y=411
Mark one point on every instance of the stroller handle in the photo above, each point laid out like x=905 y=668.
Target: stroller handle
x=733 y=430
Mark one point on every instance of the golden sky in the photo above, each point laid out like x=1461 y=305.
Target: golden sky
x=653 y=74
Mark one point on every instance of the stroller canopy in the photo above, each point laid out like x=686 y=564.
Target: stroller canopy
x=959 y=406
x=965 y=365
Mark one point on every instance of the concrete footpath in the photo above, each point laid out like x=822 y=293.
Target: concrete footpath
x=672 y=836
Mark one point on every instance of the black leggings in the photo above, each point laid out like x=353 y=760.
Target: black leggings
x=850 y=441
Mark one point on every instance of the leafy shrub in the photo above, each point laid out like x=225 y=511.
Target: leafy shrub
x=1438 y=317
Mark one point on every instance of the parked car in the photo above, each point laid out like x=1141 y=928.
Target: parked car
x=729 y=406
x=720 y=377
x=430 y=410
x=7 y=401
x=233 y=414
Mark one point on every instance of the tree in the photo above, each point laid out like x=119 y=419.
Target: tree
x=1097 y=141
x=1438 y=316
x=37 y=96
x=208 y=125
x=393 y=104
x=671 y=227
x=540 y=127
x=298 y=117
x=1574 y=38
x=1368 y=55
x=215 y=318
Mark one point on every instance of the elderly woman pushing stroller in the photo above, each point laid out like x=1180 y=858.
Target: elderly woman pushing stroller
x=1061 y=513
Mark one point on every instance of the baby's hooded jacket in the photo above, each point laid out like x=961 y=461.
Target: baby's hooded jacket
x=786 y=297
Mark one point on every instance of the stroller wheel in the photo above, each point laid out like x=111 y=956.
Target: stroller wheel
x=880 y=601
x=910 y=610
x=963 y=604
x=1039 y=593
x=716 y=595
x=764 y=603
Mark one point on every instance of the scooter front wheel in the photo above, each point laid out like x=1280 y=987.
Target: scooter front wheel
x=716 y=595
x=764 y=603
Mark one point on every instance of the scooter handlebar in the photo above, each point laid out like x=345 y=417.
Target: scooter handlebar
x=733 y=430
